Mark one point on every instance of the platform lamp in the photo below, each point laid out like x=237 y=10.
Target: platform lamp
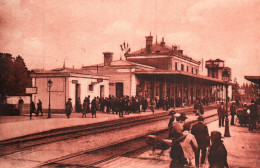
x=225 y=77
x=49 y=86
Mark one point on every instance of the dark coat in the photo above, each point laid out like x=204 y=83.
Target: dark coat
x=170 y=122
x=201 y=109
x=68 y=107
x=201 y=133
x=253 y=111
x=85 y=107
x=32 y=109
x=221 y=112
x=39 y=105
x=218 y=155
x=233 y=109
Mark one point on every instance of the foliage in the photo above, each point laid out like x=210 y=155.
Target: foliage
x=251 y=91
x=14 y=76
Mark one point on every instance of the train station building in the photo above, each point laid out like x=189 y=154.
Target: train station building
x=67 y=83
x=160 y=70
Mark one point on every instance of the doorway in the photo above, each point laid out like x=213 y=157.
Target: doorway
x=119 y=89
x=77 y=98
x=102 y=91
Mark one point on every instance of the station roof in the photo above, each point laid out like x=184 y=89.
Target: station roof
x=182 y=74
x=158 y=49
x=121 y=63
x=254 y=79
x=67 y=72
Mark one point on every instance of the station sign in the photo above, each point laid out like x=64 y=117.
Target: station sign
x=32 y=90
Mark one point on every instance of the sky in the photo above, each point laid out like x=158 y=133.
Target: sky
x=46 y=33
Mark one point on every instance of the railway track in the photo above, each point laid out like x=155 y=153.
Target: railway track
x=127 y=148
x=27 y=142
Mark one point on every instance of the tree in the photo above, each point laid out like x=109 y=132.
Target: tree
x=22 y=78
x=14 y=76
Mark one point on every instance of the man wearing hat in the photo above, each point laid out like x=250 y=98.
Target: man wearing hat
x=172 y=113
x=176 y=153
x=221 y=114
x=253 y=115
x=178 y=126
x=68 y=107
x=217 y=153
x=200 y=131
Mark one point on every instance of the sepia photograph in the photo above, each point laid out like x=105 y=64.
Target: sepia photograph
x=129 y=83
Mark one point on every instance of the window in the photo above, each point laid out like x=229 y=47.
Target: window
x=90 y=88
x=192 y=70
x=182 y=67
x=197 y=71
x=176 y=66
x=187 y=69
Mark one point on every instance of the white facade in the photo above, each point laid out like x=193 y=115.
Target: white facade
x=68 y=85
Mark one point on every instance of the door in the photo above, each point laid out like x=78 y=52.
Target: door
x=119 y=89
x=77 y=98
x=102 y=90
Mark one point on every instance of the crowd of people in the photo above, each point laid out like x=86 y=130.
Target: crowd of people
x=190 y=143
x=111 y=105
x=246 y=114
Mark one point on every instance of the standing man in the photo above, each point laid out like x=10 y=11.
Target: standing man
x=120 y=107
x=217 y=153
x=196 y=107
x=32 y=109
x=39 y=107
x=68 y=107
x=253 y=115
x=233 y=113
x=85 y=108
x=200 y=131
x=93 y=107
x=201 y=108
x=221 y=114
x=189 y=145
x=170 y=125
x=20 y=104
x=152 y=103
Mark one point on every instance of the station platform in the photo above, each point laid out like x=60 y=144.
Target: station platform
x=242 y=146
x=17 y=126
x=243 y=149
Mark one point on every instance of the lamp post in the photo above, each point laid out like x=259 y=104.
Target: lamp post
x=225 y=77
x=49 y=86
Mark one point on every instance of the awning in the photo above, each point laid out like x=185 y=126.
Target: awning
x=254 y=79
x=184 y=75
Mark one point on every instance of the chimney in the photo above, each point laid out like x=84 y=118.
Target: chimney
x=108 y=57
x=162 y=43
x=149 y=43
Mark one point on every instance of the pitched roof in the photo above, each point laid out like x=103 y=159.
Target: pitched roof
x=66 y=72
x=123 y=63
x=158 y=49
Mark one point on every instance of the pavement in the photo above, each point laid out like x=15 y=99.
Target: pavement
x=38 y=155
x=17 y=126
x=243 y=146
